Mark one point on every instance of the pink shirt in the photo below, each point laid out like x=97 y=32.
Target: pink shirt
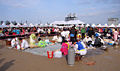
x=64 y=49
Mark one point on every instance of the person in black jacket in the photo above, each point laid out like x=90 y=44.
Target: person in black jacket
x=73 y=34
x=97 y=42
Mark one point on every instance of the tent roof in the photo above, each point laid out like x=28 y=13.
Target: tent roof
x=68 y=22
x=59 y=22
x=87 y=25
x=118 y=25
x=105 y=25
x=31 y=25
x=93 y=25
x=112 y=25
x=75 y=22
x=99 y=25
x=2 y=26
x=11 y=25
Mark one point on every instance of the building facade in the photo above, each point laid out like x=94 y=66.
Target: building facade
x=114 y=21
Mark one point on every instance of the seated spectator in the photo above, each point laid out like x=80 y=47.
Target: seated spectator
x=97 y=42
x=15 y=43
x=38 y=37
x=41 y=43
x=14 y=31
x=17 y=31
x=80 y=48
x=32 y=41
x=24 y=44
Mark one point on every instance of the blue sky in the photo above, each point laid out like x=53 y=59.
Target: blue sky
x=89 y=11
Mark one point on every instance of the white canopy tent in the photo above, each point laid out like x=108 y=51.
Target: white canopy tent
x=75 y=22
x=31 y=25
x=36 y=25
x=105 y=25
x=12 y=25
x=58 y=22
x=112 y=25
x=4 y=25
x=50 y=25
x=25 y=25
x=118 y=25
x=82 y=25
x=18 y=25
x=87 y=25
x=99 y=25
x=42 y=25
x=46 y=25
x=93 y=25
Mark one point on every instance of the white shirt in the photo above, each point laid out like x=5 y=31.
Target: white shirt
x=63 y=33
x=24 y=44
x=87 y=39
x=59 y=39
x=102 y=41
x=14 y=42
x=55 y=38
x=38 y=30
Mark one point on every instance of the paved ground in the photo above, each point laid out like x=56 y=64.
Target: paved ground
x=12 y=60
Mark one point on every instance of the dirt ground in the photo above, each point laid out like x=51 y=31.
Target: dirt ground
x=13 y=60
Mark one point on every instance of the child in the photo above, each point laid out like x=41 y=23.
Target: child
x=64 y=48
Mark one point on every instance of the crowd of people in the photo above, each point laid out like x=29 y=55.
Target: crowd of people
x=26 y=30
x=81 y=38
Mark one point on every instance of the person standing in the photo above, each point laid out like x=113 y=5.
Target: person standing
x=90 y=32
x=73 y=34
x=115 y=35
x=83 y=31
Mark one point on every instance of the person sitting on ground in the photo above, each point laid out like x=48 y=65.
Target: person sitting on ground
x=59 y=40
x=88 y=40
x=17 y=31
x=80 y=48
x=24 y=44
x=41 y=43
x=32 y=41
x=38 y=37
x=15 y=43
x=97 y=42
